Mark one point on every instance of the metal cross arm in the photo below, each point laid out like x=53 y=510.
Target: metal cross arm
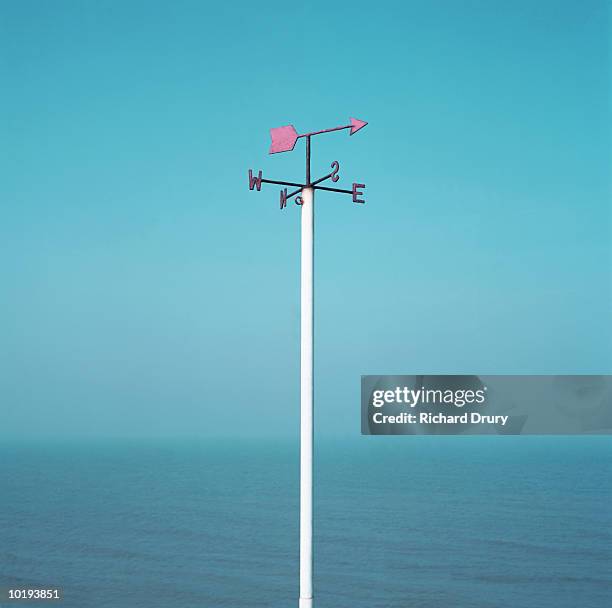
x=256 y=181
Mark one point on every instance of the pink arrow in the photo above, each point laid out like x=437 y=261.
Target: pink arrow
x=284 y=138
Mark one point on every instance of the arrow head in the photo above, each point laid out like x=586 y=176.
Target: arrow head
x=283 y=139
x=356 y=125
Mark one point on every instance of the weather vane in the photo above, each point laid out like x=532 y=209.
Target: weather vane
x=284 y=140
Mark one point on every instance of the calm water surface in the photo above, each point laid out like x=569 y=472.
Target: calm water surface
x=401 y=522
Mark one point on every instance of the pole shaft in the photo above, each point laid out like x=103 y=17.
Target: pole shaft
x=306 y=398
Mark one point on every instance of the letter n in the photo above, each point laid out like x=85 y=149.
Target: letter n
x=283 y=198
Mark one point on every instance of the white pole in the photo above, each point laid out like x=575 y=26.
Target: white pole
x=306 y=401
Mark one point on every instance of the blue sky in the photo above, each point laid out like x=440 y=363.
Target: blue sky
x=146 y=291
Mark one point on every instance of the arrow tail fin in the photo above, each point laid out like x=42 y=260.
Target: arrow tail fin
x=283 y=139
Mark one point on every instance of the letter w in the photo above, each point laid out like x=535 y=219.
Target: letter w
x=254 y=182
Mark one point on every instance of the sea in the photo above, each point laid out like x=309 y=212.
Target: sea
x=400 y=522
